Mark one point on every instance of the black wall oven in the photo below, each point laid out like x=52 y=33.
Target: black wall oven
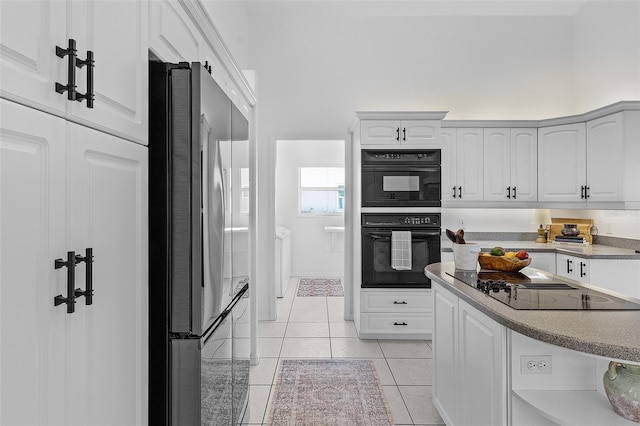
x=401 y=178
x=377 y=232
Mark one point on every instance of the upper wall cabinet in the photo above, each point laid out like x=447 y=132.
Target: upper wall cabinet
x=563 y=168
x=425 y=133
x=173 y=38
x=85 y=61
x=591 y=164
x=462 y=168
x=510 y=164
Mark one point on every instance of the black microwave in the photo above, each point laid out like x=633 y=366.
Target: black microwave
x=401 y=178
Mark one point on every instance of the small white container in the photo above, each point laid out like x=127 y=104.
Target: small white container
x=465 y=256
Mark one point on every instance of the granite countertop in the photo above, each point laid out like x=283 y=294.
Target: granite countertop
x=594 y=251
x=610 y=334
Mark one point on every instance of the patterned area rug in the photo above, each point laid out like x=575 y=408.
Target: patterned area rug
x=320 y=287
x=329 y=392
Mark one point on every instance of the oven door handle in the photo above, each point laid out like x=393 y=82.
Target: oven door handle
x=387 y=234
x=401 y=169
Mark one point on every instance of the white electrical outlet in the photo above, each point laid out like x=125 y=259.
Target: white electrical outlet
x=609 y=229
x=461 y=224
x=535 y=364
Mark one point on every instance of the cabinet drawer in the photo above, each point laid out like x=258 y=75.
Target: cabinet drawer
x=396 y=301
x=389 y=323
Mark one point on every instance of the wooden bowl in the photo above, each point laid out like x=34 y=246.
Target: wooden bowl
x=501 y=263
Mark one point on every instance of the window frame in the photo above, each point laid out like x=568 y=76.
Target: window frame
x=300 y=213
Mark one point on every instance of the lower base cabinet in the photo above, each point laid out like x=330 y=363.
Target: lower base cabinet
x=395 y=314
x=470 y=386
x=66 y=187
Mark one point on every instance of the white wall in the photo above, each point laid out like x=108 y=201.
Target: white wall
x=611 y=223
x=312 y=251
x=607 y=54
x=232 y=22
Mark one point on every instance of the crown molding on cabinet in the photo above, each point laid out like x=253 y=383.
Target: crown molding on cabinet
x=199 y=16
x=396 y=115
x=439 y=115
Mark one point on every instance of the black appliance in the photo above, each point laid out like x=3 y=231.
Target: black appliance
x=541 y=292
x=377 y=231
x=198 y=316
x=401 y=178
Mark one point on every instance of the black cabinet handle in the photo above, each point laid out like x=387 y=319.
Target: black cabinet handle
x=404 y=133
x=582 y=273
x=586 y=192
x=400 y=323
x=569 y=270
x=399 y=303
x=508 y=192
x=582 y=197
x=514 y=192
x=454 y=192
x=70 y=264
x=398 y=134
x=70 y=87
x=88 y=290
x=90 y=63
x=460 y=191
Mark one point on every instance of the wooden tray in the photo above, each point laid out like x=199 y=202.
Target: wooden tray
x=584 y=226
x=501 y=263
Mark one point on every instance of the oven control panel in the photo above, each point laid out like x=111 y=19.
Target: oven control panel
x=425 y=220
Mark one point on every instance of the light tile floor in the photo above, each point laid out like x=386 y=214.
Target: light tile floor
x=313 y=327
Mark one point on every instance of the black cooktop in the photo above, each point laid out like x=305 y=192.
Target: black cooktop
x=538 y=291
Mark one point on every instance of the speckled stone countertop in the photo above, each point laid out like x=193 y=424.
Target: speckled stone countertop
x=610 y=334
x=594 y=251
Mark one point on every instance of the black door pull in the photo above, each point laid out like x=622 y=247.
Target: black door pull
x=395 y=302
x=88 y=290
x=90 y=63
x=70 y=264
x=70 y=87
x=508 y=192
x=400 y=323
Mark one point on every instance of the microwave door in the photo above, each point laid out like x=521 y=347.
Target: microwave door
x=213 y=219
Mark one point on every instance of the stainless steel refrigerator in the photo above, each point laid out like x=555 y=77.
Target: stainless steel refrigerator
x=198 y=250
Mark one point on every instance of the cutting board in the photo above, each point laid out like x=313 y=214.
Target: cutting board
x=584 y=226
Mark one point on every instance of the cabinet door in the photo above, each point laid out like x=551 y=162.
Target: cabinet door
x=497 y=164
x=449 y=169
x=562 y=163
x=524 y=164
x=420 y=132
x=605 y=159
x=544 y=261
x=572 y=267
x=29 y=67
x=482 y=366
x=116 y=32
x=32 y=222
x=445 y=350
x=108 y=212
x=380 y=132
x=172 y=35
x=469 y=152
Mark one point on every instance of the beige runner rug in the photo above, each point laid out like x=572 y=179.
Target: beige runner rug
x=328 y=392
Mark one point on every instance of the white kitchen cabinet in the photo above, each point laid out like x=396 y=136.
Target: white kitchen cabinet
x=462 y=168
x=65 y=188
x=470 y=385
x=619 y=275
x=544 y=261
x=395 y=314
x=425 y=133
x=116 y=33
x=562 y=163
x=445 y=348
x=572 y=267
x=172 y=36
x=605 y=159
x=510 y=164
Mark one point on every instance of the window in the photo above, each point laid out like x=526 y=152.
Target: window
x=321 y=190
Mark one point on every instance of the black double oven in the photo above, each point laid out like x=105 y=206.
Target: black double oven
x=401 y=201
